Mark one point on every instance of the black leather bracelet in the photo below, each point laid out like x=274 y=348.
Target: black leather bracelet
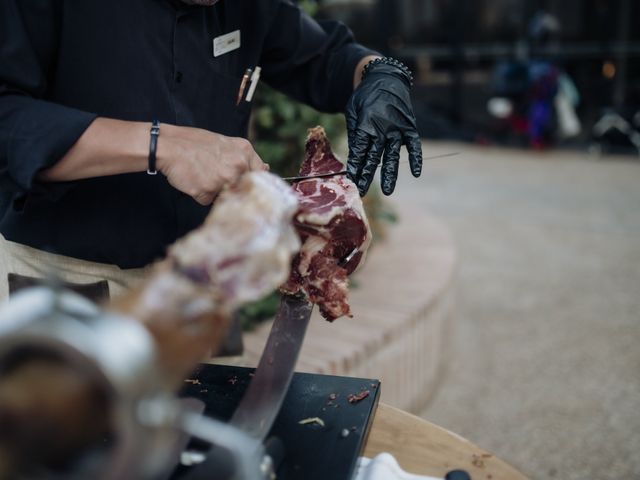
x=371 y=66
x=153 y=146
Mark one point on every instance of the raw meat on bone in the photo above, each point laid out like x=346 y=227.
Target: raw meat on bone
x=331 y=223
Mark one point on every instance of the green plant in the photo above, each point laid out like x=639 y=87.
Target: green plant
x=253 y=314
x=279 y=129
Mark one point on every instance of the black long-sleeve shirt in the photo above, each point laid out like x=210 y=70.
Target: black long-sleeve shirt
x=65 y=62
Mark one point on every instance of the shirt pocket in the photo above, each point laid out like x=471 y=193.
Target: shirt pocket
x=226 y=113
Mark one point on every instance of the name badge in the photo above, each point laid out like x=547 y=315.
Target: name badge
x=226 y=43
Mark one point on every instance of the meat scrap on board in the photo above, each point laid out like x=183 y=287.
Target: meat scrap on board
x=331 y=223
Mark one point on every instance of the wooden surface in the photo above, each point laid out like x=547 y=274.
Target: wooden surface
x=421 y=447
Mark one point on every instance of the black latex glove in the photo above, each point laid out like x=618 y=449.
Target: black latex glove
x=380 y=119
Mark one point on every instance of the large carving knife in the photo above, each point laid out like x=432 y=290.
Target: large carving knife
x=261 y=402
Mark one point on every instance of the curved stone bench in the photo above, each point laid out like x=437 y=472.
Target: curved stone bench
x=403 y=309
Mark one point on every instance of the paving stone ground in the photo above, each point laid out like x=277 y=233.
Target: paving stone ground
x=545 y=367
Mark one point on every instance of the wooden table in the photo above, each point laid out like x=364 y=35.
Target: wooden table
x=421 y=447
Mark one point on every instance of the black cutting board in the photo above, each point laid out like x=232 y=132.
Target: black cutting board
x=311 y=451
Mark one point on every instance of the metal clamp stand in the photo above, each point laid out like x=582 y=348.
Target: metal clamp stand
x=118 y=356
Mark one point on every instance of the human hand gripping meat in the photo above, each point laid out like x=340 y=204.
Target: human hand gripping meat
x=201 y=163
x=331 y=223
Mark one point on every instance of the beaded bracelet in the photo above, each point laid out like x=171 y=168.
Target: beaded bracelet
x=388 y=61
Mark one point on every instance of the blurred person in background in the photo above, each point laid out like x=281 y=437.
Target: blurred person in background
x=534 y=96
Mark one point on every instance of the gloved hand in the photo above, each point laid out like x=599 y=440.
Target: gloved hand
x=380 y=119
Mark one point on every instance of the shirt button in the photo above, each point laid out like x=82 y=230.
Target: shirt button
x=178 y=77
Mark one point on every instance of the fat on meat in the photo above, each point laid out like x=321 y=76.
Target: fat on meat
x=244 y=249
x=331 y=223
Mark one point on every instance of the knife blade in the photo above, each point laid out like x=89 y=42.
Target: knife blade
x=344 y=172
x=317 y=175
x=262 y=401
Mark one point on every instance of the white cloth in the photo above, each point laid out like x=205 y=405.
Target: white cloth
x=384 y=467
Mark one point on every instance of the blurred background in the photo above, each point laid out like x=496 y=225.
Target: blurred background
x=541 y=101
x=467 y=52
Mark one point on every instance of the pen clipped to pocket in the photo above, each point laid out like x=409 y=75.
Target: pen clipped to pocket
x=250 y=78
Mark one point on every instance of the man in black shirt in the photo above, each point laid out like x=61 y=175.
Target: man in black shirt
x=81 y=81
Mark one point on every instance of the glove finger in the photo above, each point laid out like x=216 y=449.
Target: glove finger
x=390 y=163
x=351 y=116
x=370 y=166
x=358 y=148
x=414 y=147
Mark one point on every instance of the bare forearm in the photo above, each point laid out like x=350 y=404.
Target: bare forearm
x=107 y=147
x=357 y=75
x=195 y=161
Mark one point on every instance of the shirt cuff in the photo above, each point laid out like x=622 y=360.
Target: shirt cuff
x=43 y=133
